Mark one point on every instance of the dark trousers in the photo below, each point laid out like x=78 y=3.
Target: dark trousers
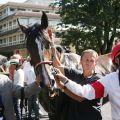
x=17 y=108
x=1 y=109
x=33 y=106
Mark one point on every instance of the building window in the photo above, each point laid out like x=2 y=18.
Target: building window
x=4 y=25
x=12 y=9
x=1 y=41
x=21 y=9
x=4 y=40
x=4 y=11
x=10 y=25
x=14 y=22
x=10 y=39
x=36 y=10
x=21 y=37
x=14 y=38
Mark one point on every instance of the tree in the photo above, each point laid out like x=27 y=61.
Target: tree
x=96 y=21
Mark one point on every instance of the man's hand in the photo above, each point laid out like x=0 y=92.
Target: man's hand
x=59 y=76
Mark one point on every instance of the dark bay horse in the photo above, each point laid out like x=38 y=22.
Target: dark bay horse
x=38 y=41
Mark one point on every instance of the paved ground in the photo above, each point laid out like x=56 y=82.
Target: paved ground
x=106 y=112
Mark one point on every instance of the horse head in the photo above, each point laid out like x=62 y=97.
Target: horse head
x=37 y=40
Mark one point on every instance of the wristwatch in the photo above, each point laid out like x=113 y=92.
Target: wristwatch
x=66 y=81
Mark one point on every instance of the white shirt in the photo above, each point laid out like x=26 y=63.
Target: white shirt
x=19 y=77
x=30 y=75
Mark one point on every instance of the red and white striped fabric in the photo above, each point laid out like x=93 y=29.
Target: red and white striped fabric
x=106 y=85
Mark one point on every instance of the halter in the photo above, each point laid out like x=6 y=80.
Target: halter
x=43 y=62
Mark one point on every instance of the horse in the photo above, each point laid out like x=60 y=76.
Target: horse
x=38 y=42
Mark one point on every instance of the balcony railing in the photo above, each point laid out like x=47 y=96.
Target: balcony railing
x=6 y=15
x=12 y=43
x=8 y=29
x=3 y=16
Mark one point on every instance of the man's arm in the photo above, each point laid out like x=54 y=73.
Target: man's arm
x=69 y=93
x=58 y=65
x=89 y=91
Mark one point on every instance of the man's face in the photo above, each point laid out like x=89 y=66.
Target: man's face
x=88 y=61
x=12 y=69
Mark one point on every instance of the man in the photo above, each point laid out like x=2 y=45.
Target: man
x=8 y=90
x=108 y=85
x=17 y=76
x=32 y=101
x=86 y=109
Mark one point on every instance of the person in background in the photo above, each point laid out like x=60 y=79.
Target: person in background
x=17 y=76
x=8 y=91
x=82 y=109
x=33 y=100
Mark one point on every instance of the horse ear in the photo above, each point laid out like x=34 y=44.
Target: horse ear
x=23 y=28
x=44 y=20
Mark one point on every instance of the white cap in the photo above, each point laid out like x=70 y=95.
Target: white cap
x=14 y=61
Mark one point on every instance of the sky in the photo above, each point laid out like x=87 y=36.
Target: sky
x=5 y=1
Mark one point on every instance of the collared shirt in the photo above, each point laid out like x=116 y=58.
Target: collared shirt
x=19 y=77
x=30 y=75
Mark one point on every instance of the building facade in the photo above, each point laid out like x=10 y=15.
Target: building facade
x=28 y=13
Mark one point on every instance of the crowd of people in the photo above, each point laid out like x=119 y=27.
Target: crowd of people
x=20 y=80
x=85 y=90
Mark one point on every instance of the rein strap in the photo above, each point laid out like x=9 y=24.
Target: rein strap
x=43 y=62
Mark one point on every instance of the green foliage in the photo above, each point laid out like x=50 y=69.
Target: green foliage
x=96 y=21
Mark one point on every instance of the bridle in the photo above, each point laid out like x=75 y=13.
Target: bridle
x=43 y=62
